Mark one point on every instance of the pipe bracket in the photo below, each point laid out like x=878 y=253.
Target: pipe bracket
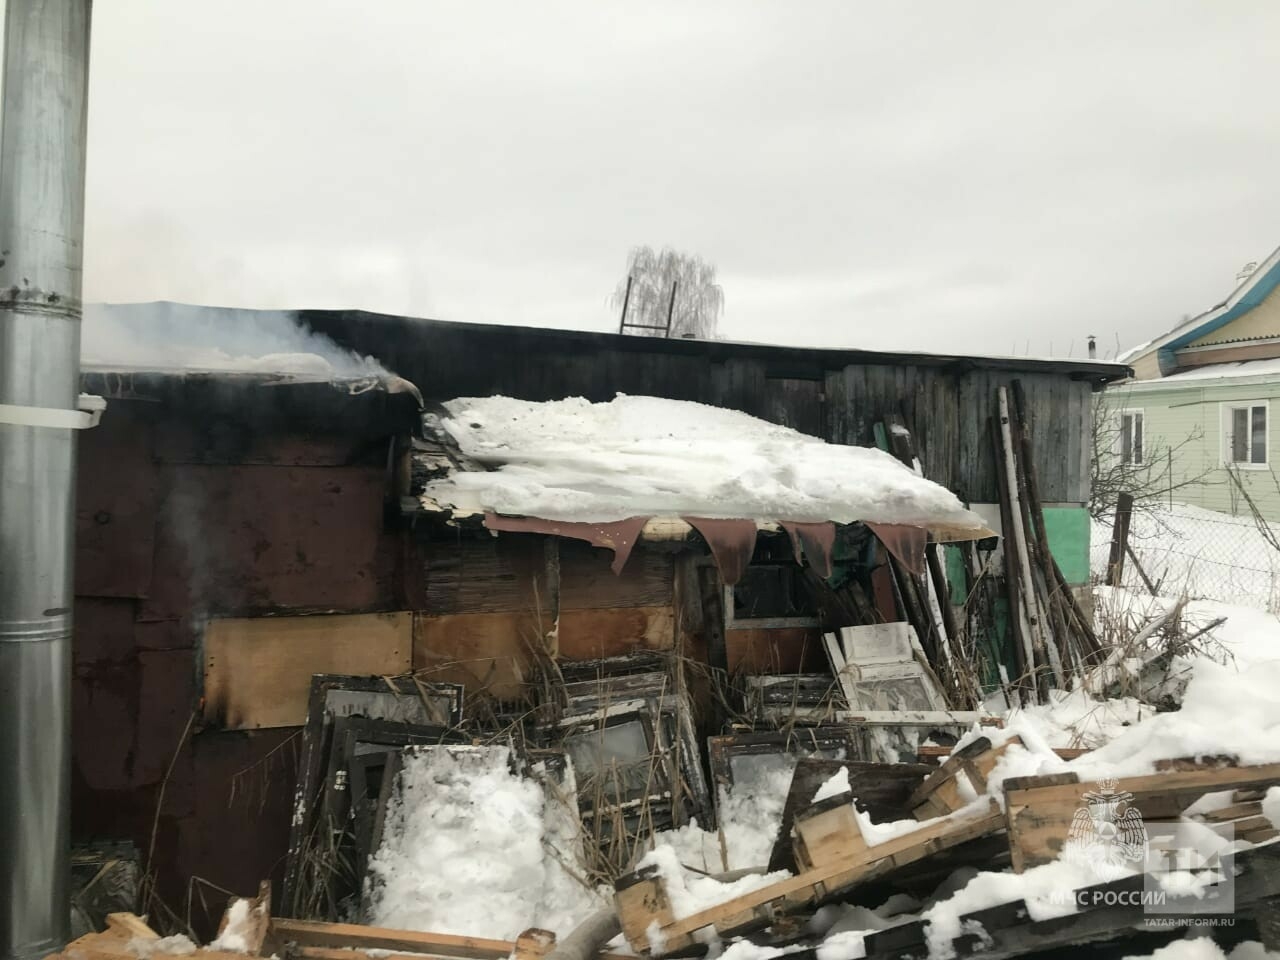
x=88 y=413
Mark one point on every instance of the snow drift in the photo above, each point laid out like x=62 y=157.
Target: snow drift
x=573 y=460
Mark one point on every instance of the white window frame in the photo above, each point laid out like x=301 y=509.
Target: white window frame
x=1120 y=431
x=1225 y=410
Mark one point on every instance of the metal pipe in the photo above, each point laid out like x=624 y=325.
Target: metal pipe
x=42 y=164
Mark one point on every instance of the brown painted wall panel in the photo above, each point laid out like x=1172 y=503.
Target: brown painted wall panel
x=247 y=540
x=588 y=634
x=117 y=495
x=257 y=671
x=483 y=651
x=782 y=650
x=508 y=574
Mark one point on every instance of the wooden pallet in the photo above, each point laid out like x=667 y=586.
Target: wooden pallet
x=935 y=753
x=1040 y=810
x=647 y=913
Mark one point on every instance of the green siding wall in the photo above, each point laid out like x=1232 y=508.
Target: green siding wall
x=1194 y=414
x=1068 y=531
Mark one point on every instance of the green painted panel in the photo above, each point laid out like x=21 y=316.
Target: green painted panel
x=1068 y=532
x=953 y=564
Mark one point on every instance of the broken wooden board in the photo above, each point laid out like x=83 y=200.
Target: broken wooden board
x=1040 y=810
x=826 y=832
x=314 y=940
x=647 y=917
x=880 y=790
x=308 y=940
x=941 y=792
x=119 y=942
x=936 y=752
x=130 y=925
x=257 y=671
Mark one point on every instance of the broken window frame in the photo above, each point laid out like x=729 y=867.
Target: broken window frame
x=317 y=744
x=621 y=714
x=799 y=742
x=789 y=698
x=734 y=622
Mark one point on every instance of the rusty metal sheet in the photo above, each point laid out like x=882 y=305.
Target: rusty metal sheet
x=117 y=495
x=620 y=536
x=815 y=541
x=904 y=542
x=732 y=543
x=243 y=540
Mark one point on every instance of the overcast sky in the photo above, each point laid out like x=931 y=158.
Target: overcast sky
x=978 y=176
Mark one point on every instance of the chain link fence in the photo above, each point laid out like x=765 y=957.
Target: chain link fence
x=1191 y=552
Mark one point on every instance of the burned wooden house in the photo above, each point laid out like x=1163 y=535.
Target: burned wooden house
x=240 y=534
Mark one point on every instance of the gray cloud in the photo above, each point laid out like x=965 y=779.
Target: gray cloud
x=940 y=176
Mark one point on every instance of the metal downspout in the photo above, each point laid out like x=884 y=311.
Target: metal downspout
x=42 y=167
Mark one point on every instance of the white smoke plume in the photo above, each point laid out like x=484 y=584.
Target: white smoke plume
x=176 y=336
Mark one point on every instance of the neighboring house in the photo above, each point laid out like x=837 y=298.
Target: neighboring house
x=1209 y=391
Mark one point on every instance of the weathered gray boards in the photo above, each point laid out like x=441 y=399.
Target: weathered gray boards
x=834 y=394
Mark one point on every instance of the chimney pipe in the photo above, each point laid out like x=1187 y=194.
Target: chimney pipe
x=42 y=163
x=1093 y=346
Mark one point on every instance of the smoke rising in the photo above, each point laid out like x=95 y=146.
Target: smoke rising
x=176 y=336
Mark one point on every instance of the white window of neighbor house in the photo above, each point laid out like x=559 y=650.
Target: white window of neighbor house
x=1244 y=435
x=1131 y=436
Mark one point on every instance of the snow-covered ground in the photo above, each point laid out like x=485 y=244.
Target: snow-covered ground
x=1198 y=553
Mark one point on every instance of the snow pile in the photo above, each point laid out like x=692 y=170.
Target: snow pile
x=1224 y=713
x=647 y=457
x=473 y=849
x=1075 y=719
x=233 y=937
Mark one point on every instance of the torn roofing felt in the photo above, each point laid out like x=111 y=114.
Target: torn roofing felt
x=574 y=463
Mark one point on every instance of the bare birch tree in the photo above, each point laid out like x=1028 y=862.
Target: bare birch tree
x=699 y=300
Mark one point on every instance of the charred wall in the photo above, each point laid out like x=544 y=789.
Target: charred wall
x=202 y=497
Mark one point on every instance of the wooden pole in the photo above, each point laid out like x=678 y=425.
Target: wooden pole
x=1119 y=540
x=626 y=299
x=671 y=307
x=1018 y=631
x=1048 y=614
x=1073 y=614
x=1038 y=654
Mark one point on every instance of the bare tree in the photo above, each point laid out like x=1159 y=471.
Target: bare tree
x=651 y=278
x=1123 y=458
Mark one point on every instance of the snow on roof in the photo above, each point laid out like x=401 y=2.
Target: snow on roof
x=1234 y=370
x=573 y=460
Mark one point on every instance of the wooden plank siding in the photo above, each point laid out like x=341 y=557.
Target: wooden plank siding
x=949 y=415
x=946 y=401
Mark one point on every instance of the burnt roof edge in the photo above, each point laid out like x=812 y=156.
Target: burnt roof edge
x=1094 y=371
